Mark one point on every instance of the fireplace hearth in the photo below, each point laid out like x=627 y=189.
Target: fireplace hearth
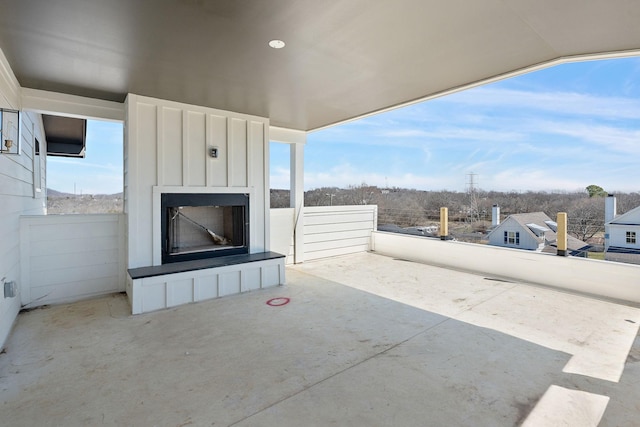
x=198 y=226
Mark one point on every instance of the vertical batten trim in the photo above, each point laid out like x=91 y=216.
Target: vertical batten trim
x=133 y=113
x=159 y=146
x=229 y=152
x=185 y=148
x=208 y=138
x=266 y=156
x=249 y=144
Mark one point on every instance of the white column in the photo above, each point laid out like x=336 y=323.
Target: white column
x=297 y=199
x=296 y=140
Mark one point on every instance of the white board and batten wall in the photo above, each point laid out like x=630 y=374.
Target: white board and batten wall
x=167 y=151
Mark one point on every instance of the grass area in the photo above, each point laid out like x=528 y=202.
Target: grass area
x=596 y=255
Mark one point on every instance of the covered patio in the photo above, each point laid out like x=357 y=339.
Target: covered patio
x=365 y=339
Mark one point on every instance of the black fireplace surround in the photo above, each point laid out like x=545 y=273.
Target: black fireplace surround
x=203 y=225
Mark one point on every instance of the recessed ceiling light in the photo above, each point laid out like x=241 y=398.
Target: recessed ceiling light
x=276 y=44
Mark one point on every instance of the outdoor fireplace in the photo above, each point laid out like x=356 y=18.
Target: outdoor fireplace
x=198 y=226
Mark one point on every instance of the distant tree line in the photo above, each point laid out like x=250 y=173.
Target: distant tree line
x=407 y=207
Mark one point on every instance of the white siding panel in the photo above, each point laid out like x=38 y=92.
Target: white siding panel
x=238 y=154
x=337 y=230
x=229 y=283
x=205 y=287
x=337 y=236
x=143 y=172
x=196 y=149
x=310 y=256
x=257 y=176
x=336 y=217
x=271 y=275
x=336 y=243
x=155 y=296
x=339 y=226
x=282 y=222
x=96 y=258
x=75 y=245
x=179 y=292
x=172 y=146
x=9 y=250
x=17 y=198
x=70 y=290
x=618 y=235
x=527 y=241
x=69 y=257
x=217 y=137
x=70 y=230
x=252 y=279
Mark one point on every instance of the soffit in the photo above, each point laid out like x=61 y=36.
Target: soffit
x=343 y=59
x=66 y=136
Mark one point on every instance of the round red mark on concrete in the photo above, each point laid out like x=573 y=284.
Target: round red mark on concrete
x=277 y=302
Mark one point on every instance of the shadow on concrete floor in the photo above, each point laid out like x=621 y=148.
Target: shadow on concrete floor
x=334 y=355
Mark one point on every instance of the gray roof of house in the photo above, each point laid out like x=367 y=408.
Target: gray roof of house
x=539 y=219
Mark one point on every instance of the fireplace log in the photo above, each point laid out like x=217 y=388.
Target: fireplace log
x=219 y=240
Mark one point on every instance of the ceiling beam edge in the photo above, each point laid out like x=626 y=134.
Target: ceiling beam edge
x=493 y=79
x=61 y=104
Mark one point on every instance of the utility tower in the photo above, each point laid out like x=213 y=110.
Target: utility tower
x=472 y=192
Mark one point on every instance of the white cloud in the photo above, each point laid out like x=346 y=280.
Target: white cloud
x=513 y=138
x=572 y=103
x=102 y=183
x=346 y=174
x=81 y=163
x=611 y=138
x=280 y=178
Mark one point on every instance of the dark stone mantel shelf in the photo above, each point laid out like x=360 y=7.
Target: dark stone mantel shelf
x=200 y=264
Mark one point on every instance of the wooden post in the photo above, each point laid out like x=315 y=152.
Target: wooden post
x=444 y=223
x=562 y=234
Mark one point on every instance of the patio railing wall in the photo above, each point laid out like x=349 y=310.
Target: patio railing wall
x=328 y=230
x=602 y=278
x=338 y=230
x=70 y=257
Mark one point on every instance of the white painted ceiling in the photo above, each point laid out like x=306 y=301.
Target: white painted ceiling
x=342 y=59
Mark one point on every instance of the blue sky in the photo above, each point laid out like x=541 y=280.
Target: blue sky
x=100 y=172
x=561 y=128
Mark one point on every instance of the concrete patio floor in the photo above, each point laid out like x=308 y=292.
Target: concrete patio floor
x=365 y=340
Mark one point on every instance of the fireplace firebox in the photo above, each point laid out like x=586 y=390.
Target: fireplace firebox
x=198 y=226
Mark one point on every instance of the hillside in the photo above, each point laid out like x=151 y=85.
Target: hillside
x=65 y=203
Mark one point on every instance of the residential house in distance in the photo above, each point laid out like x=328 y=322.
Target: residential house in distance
x=534 y=232
x=621 y=233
